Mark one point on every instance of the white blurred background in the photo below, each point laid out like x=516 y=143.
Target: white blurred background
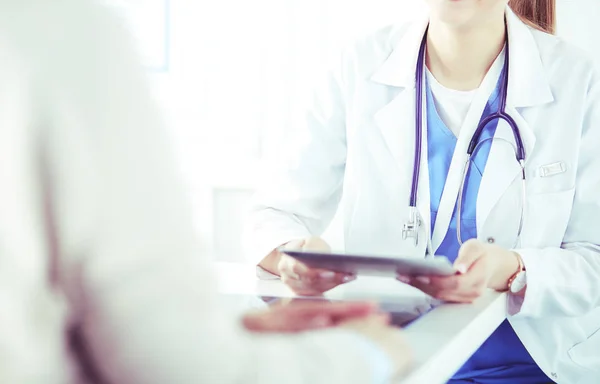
x=230 y=73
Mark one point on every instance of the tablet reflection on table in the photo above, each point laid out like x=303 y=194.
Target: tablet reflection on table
x=402 y=314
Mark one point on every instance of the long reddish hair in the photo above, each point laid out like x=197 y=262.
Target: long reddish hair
x=540 y=14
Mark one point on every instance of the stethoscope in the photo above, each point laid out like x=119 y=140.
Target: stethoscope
x=411 y=227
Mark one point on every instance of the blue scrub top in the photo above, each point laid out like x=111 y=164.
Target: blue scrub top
x=502 y=359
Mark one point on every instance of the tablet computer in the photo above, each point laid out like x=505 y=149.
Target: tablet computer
x=374 y=265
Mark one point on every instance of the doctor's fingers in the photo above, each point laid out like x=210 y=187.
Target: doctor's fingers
x=300 y=271
x=471 y=251
x=292 y=268
x=475 y=279
x=460 y=288
x=296 y=270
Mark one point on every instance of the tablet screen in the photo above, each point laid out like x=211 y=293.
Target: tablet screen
x=374 y=265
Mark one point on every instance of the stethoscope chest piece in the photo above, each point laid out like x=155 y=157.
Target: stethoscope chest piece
x=411 y=228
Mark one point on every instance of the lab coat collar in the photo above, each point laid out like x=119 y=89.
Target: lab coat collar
x=528 y=81
x=528 y=84
x=399 y=69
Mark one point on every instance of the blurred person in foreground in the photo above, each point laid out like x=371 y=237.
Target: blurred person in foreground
x=101 y=281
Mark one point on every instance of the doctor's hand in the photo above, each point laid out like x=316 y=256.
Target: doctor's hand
x=307 y=281
x=307 y=315
x=480 y=266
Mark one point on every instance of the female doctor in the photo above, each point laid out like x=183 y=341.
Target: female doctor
x=472 y=134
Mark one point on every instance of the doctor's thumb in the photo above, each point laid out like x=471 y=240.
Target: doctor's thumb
x=468 y=254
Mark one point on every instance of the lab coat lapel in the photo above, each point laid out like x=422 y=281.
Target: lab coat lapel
x=528 y=87
x=396 y=122
x=459 y=158
x=396 y=119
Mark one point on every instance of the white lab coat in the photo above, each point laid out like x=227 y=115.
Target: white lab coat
x=97 y=247
x=356 y=146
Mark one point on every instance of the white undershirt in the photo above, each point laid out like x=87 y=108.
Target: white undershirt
x=452 y=105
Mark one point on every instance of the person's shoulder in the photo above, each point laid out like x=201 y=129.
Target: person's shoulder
x=366 y=53
x=382 y=40
x=562 y=57
x=34 y=16
x=569 y=67
x=47 y=32
x=379 y=43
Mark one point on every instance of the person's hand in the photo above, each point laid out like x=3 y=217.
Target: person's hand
x=480 y=266
x=306 y=315
x=390 y=339
x=307 y=281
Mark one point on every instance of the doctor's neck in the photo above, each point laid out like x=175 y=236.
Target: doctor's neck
x=459 y=58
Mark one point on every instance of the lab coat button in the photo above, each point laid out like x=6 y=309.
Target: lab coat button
x=491 y=240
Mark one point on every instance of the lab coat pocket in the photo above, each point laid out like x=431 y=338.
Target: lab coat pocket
x=587 y=353
x=546 y=218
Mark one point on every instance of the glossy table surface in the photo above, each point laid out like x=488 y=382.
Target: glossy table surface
x=442 y=336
